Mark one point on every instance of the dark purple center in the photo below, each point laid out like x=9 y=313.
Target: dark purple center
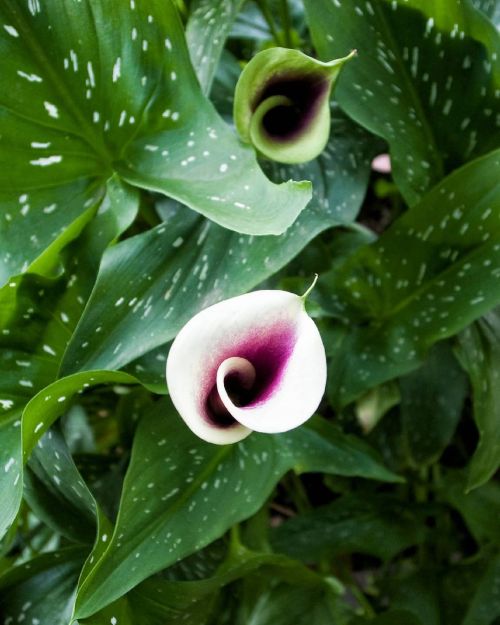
x=284 y=123
x=268 y=352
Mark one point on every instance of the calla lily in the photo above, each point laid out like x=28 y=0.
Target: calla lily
x=253 y=362
x=281 y=103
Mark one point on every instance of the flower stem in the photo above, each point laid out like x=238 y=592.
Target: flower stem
x=269 y=19
x=285 y=18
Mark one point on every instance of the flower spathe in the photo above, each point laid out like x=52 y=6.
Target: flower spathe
x=281 y=103
x=250 y=363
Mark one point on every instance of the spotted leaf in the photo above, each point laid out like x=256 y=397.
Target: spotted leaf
x=187 y=263
x=433 y=272
x=427 y=80
x=87 y=99
x=181 y=493
x=37 y=317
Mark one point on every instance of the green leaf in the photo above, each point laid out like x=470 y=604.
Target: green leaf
x=55 y=491
x=479 y=353
x=416 y=62
x=88 y=100
x=41 y=591
x=37 y=317
x=181 y=493
x=206 y=31
x=392 y=617
x=188 y=263
x=427 y=277
x=432 y=399
x=39 y=414
x=458 y=584
x=417 y=593
x=479 y=508
x=289 y=605
x=491 y=8
x=195 y=602
x=378 y=525
x=485 y=605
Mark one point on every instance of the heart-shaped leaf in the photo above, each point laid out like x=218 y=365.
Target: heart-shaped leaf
x=87 y=99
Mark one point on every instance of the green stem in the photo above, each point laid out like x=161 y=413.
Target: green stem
x=262 y=4
x=299 y=494
x=287 y=26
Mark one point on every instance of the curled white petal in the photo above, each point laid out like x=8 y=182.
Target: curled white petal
x=254 y=362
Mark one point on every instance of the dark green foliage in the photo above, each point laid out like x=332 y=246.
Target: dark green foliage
x=128 y=204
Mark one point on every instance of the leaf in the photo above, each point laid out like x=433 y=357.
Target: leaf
x=187 y=263
x=491 y=8
x=378 y=525
x=195 y=602
x=181 y=493
x=55 y=491
x=37 y=316
x=427 y=277
x=208 y=26
x=479 y=508
x=289 y=605
x=415 y=63
x=391 y=617
x=479 y=354
x=458 y=584
x=485 y=605
x=432 y=399
x=41 y=591
x=418 y=594
x=67 y=127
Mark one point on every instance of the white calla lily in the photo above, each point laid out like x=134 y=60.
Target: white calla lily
x=253 y=362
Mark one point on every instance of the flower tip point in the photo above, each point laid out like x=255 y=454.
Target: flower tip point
x=316 y=276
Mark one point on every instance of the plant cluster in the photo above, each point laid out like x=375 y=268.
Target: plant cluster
x=160 y=157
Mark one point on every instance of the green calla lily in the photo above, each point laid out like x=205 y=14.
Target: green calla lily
x=281 y=103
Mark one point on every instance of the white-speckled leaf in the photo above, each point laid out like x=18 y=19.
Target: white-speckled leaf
x=87 y=99
x=41 y=590
x=37 y=318
x=426 y=79
x=209 y=24
x=55 y=490
x=433 y=272
x=188 y=263
x=181 y=493
x=432 y=399
x=479 y=353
